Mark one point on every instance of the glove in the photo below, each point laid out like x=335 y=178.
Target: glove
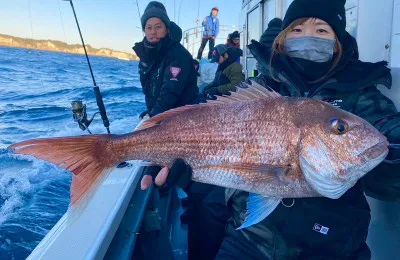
x=388 y=124
x=211 y=93
x=143 y=114
x=180 y=174
x=383 y=182
x=203 y=89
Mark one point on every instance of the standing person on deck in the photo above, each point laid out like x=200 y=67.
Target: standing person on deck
x=315 y=57
x=166 y=70
x=267 y=39
x=210 y=33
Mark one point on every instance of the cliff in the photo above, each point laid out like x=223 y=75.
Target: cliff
x=50 y=45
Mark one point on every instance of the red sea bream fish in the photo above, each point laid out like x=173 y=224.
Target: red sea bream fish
x=254 y=140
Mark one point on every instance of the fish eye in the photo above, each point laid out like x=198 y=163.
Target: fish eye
x=339 y=127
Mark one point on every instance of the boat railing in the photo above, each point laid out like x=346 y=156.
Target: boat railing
x=191 y=39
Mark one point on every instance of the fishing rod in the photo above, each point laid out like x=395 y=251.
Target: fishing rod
x=78 y=108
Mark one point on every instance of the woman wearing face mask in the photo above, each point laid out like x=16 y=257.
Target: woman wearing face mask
x=315 y=57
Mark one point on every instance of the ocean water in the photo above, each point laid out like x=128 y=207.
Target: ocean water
x=36 y=90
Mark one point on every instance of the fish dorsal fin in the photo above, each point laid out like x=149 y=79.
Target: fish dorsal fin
x=265 y=91
x=248 y=92
x=244 y=92
x=156 y=120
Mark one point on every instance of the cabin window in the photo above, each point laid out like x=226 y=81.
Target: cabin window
x=352 y=17
x=395 y=45
x=251 y=67
x=285 y=5
x=253 y=25
x=269 y=12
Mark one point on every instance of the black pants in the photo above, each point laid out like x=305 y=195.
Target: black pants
x=207 y=221
x=203 y=44
x=234 y=249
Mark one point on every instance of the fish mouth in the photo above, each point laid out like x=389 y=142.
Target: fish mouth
x=335 y=187
x=371 y=157
x=376 y=152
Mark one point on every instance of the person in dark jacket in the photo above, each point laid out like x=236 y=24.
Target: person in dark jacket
x=210 y=33
x=274 y=28
x=229 y=73
x=166 y=70
x=167 y=74
x=340 y=78
x=267 y=39
x=233 y=40
x=315 y=57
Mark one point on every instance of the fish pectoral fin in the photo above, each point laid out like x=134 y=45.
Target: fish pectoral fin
x=258 y=208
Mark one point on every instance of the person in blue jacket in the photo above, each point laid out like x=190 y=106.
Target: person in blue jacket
x=210 y=33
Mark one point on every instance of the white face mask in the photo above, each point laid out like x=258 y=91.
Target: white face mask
x=310 y=48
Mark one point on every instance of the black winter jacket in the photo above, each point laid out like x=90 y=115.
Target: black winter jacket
x=167 y=73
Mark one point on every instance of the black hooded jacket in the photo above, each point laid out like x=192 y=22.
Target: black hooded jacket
x=167 y=73
x=289 y=232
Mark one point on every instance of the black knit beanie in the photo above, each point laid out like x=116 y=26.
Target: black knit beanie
x=234 y=36
x=273 y=30
x=155 y=9
x=331 y=11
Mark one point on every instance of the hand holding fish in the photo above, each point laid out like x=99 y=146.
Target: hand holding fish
x=179 y=175
x=159 y=180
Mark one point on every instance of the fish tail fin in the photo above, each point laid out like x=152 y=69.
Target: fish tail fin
x=82 y=155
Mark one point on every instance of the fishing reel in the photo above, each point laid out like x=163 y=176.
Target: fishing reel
x=79 y=114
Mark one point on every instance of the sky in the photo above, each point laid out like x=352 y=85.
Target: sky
x=111 y=24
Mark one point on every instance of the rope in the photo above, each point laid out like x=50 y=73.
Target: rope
x=179 y=13
x=62 y=22
x=30 y=19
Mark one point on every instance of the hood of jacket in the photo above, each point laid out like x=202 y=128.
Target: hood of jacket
x=350 y=73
